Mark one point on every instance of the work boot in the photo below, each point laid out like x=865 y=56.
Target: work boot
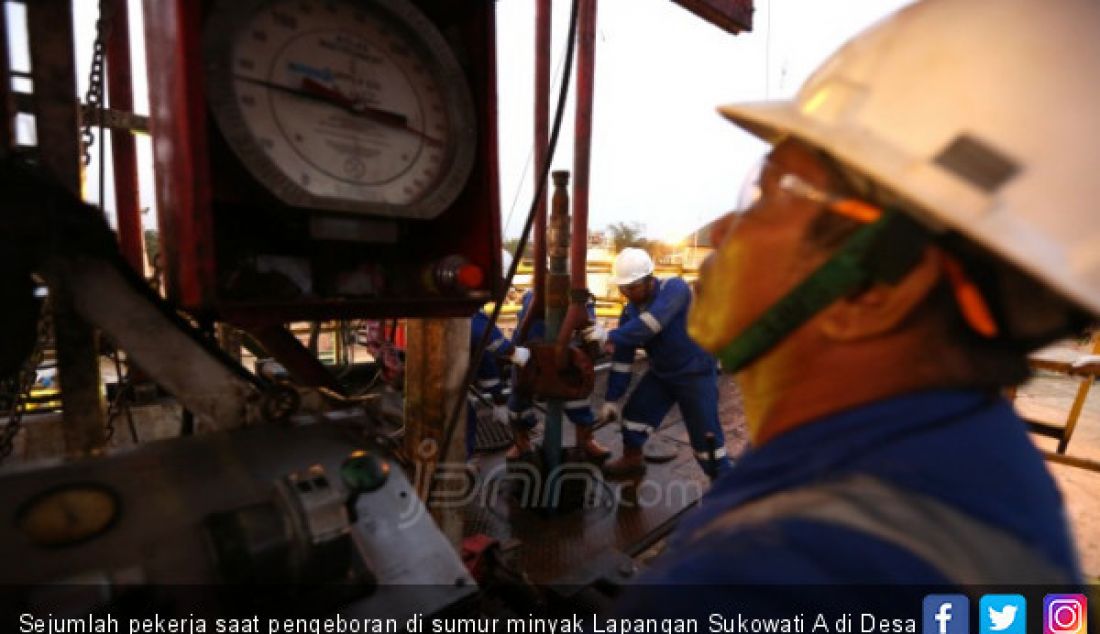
x=521 y=445
x=631 y=466
x=586 y=442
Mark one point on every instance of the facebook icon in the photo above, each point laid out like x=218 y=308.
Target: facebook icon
x=946 y=614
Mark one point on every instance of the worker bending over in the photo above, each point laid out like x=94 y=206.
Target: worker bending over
x=680 y=372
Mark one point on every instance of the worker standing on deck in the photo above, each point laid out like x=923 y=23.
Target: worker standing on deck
x=917 y=228
x=579 y=412
x=680 y=372
x=489 y=370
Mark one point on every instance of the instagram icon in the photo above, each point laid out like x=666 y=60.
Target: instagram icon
x=1065 y=614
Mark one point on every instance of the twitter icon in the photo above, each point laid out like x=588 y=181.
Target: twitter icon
x=1002 y=614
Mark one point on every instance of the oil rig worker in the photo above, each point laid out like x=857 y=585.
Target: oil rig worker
x=680 y=372
x=908 y=240
x=579 y=412
x=488 y=377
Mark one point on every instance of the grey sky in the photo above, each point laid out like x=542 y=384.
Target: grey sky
x=661 y=155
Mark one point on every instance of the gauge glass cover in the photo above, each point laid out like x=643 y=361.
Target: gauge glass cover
x=68 y=515
x=340 y=105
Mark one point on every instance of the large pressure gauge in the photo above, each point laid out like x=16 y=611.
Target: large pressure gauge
x=342 y=105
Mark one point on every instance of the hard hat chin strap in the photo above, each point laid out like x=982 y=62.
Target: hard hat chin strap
x=883 y=251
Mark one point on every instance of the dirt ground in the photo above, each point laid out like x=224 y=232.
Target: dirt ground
x=1048 y=398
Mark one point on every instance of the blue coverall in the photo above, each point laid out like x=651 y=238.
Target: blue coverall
x=964 y=449
x=521 y=409
x=488 y=372
x=680 y=372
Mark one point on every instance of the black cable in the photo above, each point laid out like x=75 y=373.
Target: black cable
x=479 y=349
x=530 y=153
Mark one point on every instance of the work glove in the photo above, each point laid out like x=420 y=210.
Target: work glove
x=595 y=334
x=520 y=356
x=610 y=411
x=500 y=414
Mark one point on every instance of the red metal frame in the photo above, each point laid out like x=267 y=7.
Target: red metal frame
x=123 y=148
x=543 y=37
x=198 y=180
x=734 y=16
x=475 y=215
x=543 y=32
x=178 y=125
x=577 y=315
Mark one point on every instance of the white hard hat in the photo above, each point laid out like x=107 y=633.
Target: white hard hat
x=505 y=262
x=979 y=114
x=631 y=265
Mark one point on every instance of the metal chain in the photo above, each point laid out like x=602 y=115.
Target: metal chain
x=93 y=98
x=28 y=374
x=25 y=381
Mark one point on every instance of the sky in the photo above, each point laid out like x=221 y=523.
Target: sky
x=661 y=155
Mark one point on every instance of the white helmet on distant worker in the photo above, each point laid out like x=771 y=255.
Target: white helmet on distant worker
x=980 y=115
x=505 y=263
x=631 y=265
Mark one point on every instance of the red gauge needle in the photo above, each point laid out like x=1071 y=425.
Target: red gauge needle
x=312 y=89
x=358 y=107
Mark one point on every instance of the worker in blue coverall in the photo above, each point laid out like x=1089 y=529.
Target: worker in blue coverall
x=489 y=369
x=874 y=303
x=680 y=372
x=579 y=412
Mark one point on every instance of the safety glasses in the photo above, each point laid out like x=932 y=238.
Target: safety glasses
x=769 y=183
x=769 y=187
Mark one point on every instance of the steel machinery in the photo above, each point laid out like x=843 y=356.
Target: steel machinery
x=315 y=159
x=326 y=159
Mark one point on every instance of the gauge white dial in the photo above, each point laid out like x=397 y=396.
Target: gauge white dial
x=342 y=105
